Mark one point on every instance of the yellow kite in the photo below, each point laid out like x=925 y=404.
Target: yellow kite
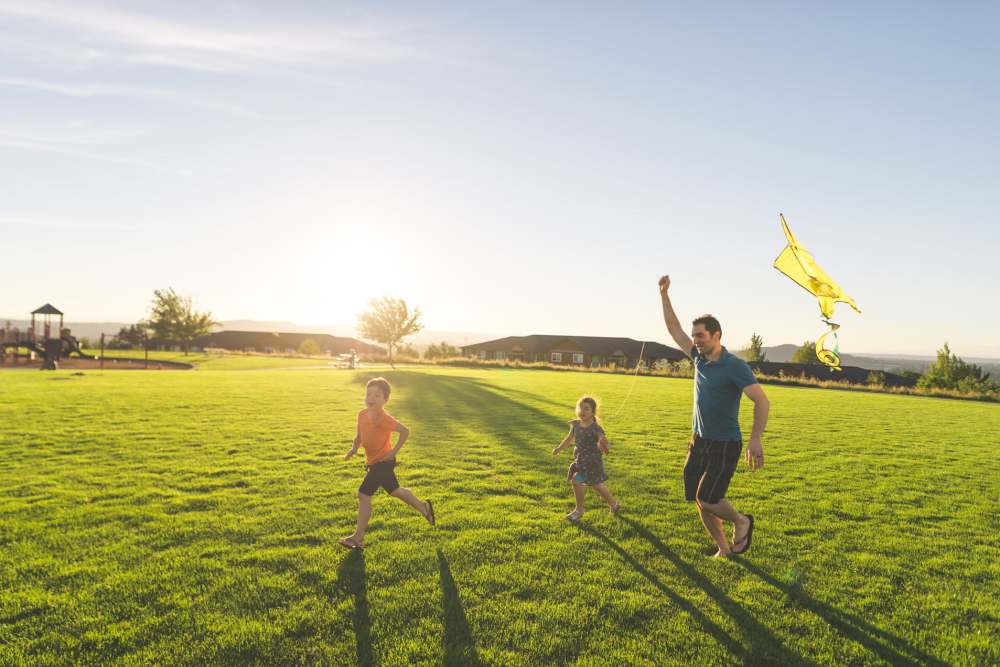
x=798 y=264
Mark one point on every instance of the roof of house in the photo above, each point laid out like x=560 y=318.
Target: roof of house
x=595 y=345
x=47 y=309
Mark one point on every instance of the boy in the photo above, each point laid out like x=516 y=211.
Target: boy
x=374 y=433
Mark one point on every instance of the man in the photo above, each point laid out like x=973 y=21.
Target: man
x=716 y=442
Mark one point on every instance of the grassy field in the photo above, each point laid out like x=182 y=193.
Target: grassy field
x=191 y=518
x=220 y=362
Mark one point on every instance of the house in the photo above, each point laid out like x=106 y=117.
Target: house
x=286 y=343
x=573 y=350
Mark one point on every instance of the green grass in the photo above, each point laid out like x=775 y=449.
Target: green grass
x=220 y=362
x=191 y=518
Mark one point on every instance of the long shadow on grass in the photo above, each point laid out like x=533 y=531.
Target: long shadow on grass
x=849 y=626
x=710 y=626
x=764 y=645
x=459 y=645
x=351 y=574
x=478 y=405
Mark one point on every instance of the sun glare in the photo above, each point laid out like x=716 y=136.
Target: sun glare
x=340 y=273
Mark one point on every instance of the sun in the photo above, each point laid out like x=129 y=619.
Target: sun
x=338 y=274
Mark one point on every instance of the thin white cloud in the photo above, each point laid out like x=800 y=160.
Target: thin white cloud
x=80 y=144
x=203 y=47
x=122 y=90
x=21 y=222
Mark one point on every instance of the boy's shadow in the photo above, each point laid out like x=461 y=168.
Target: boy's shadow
x=459 y=645
x=850 y=627
x=351 y=575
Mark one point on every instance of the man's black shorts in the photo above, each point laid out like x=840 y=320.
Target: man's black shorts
x=709 y=467
x=380 y=474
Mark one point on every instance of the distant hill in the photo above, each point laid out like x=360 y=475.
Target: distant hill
x=420 y=340
x=91 y=330
x=883 y=362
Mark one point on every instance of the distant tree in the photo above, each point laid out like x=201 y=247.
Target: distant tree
x=876 y=378
x=133 y=335
x=173 y=318
x=407 y=351
x=951 y=372
x=388 y=321
x=441 y=351
x=805 y=354
x=310 y=348
x=755 y=351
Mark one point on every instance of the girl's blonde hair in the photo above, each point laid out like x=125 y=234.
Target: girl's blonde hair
x=589 y=400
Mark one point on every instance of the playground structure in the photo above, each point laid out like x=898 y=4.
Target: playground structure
x=51 y=344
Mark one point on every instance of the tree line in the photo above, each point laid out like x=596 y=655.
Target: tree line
x=948 y=371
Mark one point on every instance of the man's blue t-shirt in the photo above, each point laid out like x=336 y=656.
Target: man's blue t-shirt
x=718 y=386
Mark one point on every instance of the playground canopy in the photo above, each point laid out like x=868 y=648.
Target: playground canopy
x=47 y=309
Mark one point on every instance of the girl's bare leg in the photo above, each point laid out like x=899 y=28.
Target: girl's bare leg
x=605 y=493
x=579 y=490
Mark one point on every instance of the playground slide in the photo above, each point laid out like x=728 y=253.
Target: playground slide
x=72 y=346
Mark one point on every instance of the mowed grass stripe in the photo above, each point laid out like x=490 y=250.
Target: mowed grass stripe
x=191 y=518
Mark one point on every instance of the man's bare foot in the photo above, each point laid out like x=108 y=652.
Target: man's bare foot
x=740 y=529
x=350 y=543
x=575 y=515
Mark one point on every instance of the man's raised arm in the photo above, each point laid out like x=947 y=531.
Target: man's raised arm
x=670 y=317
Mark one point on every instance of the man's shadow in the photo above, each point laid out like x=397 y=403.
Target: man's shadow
x=850 y=627
x=351 y=575
x=707 y=624
x=886 y=645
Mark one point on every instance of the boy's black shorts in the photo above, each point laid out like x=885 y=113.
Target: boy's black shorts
x=380 y=474
x=709 y=467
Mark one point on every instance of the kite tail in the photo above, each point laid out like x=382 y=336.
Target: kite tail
x=829 y=357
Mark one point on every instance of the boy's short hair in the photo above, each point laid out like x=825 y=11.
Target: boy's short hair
x=382 y=384
x=709 y=322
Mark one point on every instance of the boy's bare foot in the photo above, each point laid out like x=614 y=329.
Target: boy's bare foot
x=723 y=554
x=429 y=512
x=575 y=515
x=350 y=543
x=614 y=508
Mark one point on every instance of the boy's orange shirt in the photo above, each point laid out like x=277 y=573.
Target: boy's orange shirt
x=376 y=438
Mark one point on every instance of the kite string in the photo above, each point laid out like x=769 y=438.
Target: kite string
x=635 y=376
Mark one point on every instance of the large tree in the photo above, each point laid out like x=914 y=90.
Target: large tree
x=388 y=321
x=952 y=372
x=172 y=317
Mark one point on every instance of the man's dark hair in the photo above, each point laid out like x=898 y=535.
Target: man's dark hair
x=710 y=323
x=382 y=385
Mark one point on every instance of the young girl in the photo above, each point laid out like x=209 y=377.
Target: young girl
x=587 y=468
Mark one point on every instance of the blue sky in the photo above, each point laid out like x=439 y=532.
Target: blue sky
x=508 y=168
